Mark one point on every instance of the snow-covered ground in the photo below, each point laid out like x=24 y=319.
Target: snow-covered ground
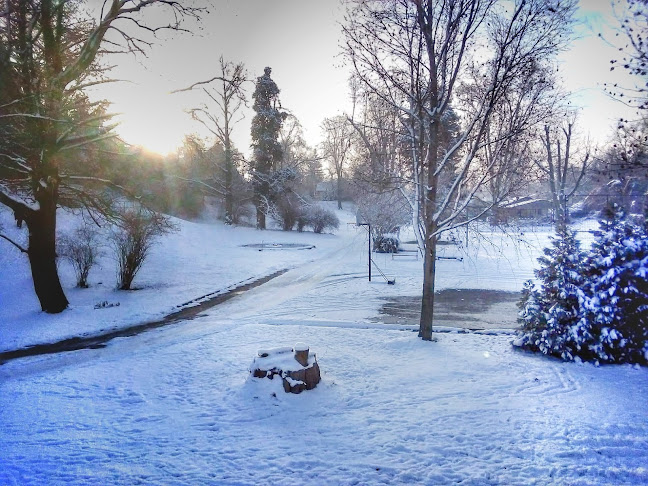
x=176 y=405
x=203 y=258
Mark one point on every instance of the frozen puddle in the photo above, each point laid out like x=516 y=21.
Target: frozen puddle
x=466 y=308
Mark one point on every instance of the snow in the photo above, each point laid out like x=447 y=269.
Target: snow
x=301 y=347
x=199 y=260
x=280 y=359
x=176 y=405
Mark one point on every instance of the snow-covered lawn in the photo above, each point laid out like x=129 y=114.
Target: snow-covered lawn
x=200 y=259
x=176 y=405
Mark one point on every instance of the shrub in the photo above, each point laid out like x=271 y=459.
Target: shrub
x=81 y=249
x=385 y=244
x=132 y=240
x=386 y=212
x=286 y=210
x=318 y=218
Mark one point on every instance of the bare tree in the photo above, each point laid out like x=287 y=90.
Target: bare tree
x=415 y=55
x=633 y=17
x=82 y=249
x=380 y=165
x=379 y=153
x=563 y=173
x=622 y=172
x=336 y=148
x=506 y=159
x=226 y=92
x=132 y=240
x=49 y=53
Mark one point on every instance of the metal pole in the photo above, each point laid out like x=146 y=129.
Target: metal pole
x=369 y=244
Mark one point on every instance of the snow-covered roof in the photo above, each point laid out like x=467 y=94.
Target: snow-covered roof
x=525 y=202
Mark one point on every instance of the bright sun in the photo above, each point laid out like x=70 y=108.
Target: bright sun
x=154 y=136
x=151 y=119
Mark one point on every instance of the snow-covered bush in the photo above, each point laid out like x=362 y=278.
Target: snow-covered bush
x=551 y=314
x=286 y=210
x=386 y=212
x=385 y=244
x=617 y=303
x=318 y=218
x=593 y=306
x=82 y=249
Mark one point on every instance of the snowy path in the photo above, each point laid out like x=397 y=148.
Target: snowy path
x=314 y=291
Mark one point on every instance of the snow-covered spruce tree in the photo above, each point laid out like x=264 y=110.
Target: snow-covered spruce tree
x=550 y=316
x=266 y=125
x=617 y=304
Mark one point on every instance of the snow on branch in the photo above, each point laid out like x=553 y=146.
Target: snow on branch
x=16 y=205
x=21 y=248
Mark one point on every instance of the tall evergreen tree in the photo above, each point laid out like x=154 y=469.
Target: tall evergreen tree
x=267 y=151
x=617 y=305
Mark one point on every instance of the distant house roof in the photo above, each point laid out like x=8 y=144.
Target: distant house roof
x=528 y=202
x=525 y=202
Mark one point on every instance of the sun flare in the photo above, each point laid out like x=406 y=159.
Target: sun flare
x=152 y=119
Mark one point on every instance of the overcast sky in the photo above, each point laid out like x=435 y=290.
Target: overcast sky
x=300 y=40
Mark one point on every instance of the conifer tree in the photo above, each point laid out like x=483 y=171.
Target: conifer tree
x=266 y=125
x=551 y=315
x=617 y=305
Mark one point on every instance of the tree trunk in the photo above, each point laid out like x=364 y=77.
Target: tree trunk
x=427 y=302
x=260 y=216
x=229 y=199
x=429 y=207
x=42 y=259
x=339 y=191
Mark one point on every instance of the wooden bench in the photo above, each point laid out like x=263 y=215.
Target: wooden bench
x=406 y=253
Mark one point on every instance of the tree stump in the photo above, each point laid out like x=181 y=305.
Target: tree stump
x=297 y=367
x=301 y=353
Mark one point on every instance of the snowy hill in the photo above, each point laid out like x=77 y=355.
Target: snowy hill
x=200 y=259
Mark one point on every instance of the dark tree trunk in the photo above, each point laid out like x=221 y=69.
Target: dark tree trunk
x=427 y=302
x=229 y=197
x=261 y=198
x=339 y=191
x=42 y=259
x=429 y=208
x=260 y=215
